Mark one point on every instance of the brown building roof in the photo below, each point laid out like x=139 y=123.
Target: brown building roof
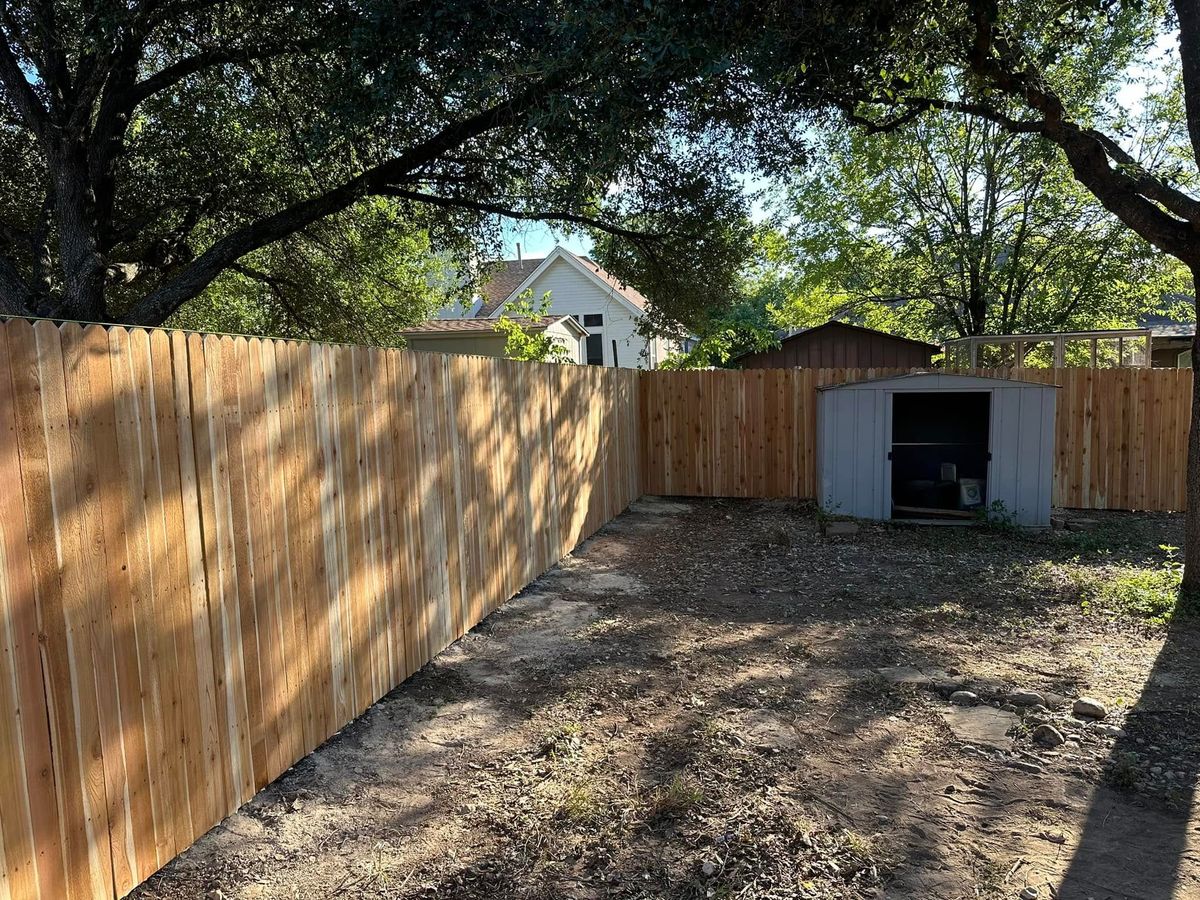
x=510 y=273
x=459 y=326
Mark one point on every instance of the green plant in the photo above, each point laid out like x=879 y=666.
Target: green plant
x=997 y=517
x=523 y=338
x=563 y=740
x=676 y=797
x=1123 y=771
x=1149 y=593
x=582 y=805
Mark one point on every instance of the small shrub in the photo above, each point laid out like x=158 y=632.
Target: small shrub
x=997 y=517
x=1123 y=771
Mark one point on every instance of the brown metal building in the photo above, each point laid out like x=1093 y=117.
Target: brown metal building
x=836 y=345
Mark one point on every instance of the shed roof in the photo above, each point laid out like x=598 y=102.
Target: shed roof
x=925 y=381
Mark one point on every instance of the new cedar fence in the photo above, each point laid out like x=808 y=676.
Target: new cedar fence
x=1120 y=434
x=215 y=552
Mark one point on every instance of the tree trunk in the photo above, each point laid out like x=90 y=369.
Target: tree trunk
x=1191 y=540
x=79 y=254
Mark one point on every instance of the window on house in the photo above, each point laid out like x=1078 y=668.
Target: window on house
x=593 y=320
x=595 y=349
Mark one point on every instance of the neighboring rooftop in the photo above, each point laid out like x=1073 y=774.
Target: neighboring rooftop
x=834 y=323
x=510 y=273
x=1166 y=327
x=458 y=326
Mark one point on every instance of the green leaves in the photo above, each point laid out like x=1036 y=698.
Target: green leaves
x=954 y=226
x=523 y=338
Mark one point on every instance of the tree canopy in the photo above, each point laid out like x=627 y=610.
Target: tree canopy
x=154 y=146
x=952 y=226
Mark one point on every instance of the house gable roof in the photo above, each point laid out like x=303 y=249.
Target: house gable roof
x=531 y=269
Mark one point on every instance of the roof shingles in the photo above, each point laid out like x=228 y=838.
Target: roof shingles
x=459 y=326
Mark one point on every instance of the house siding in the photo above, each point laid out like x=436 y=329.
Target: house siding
x=572 y=293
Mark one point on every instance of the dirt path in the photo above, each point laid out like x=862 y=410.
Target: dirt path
x=712 y=700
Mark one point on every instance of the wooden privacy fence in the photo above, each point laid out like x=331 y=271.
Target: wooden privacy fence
x=215 y=552
x=1120 y=434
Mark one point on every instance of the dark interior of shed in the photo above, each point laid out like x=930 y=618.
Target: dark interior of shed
x=939 y=453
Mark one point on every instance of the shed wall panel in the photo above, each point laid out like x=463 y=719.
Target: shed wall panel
x=854 y=437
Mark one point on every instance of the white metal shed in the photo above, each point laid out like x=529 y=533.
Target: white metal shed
x=936 y=446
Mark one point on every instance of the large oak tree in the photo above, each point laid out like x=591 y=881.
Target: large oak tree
x=149 y=146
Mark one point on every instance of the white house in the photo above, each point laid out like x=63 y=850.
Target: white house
x=608 y=310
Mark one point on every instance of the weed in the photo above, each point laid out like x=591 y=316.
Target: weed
x=861 y=846
x=996 y=517
x=582 y=805
x=562 y=740
x=1149 y=593
x=678 y=796
x=1123 y=771
x=989 y=874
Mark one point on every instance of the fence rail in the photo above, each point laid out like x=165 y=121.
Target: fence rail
x=216 y=551
x=1120 y=434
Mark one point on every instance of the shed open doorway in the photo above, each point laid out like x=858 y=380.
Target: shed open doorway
x=939 y=454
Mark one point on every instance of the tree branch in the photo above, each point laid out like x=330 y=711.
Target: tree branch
x=275 y=284
x=519 y=214
x=197 y=275
x=20 y=91
x=205 y=59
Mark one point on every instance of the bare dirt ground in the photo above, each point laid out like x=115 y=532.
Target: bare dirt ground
x=711 y=699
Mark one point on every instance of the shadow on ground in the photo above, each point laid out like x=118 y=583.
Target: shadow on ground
x=712 y=699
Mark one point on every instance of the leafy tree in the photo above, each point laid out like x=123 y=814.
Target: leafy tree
x=152 y=146
x=953 y=226
x=358 y=277
x=751 y=321
x=1033 y=68
x=524 y=341
x=1048 y=70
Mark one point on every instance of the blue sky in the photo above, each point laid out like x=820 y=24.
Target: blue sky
x=537 y=239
